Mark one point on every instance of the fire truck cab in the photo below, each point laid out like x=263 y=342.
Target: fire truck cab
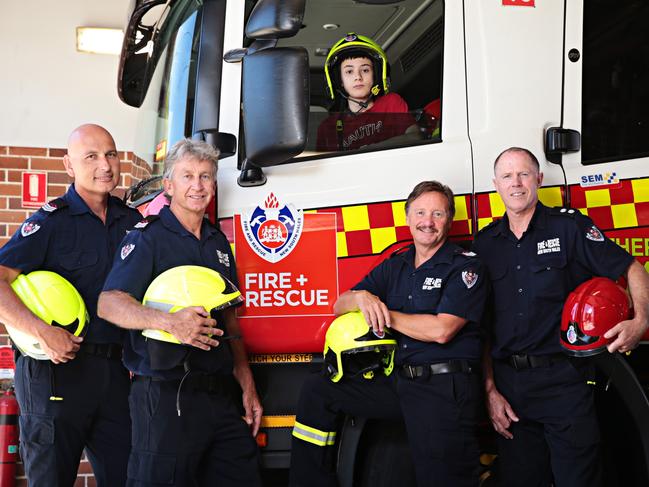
x=565 y=79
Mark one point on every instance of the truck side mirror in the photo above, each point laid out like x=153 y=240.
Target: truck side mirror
x=134 y=58
x=275 y=97
x=274 y=19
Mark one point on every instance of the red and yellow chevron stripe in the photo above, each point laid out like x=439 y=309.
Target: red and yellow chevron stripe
x=371 y=228
x=622 y=205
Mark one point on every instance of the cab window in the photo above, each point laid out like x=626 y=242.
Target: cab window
x=407 y=108
x=615 y=99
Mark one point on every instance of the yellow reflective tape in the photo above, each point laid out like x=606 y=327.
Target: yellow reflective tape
x=399 y=213
x=624 y=215
x=496 y=204
x=640 y=190
x=341 y=243
x=279 y=358
x=355 y=218
x=598 y=197
x=313 y=435
x=382 y=238
x=461 y=212
x=278 y=421
x=551 y=196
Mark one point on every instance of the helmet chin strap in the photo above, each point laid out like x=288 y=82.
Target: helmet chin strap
x=363 y=104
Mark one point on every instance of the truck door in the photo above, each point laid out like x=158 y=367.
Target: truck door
x=606 y=99
x=606 y=57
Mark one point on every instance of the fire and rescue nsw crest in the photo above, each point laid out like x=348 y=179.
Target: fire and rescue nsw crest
x=271 y=230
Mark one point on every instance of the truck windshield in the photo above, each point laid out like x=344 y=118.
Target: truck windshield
x=166 y=113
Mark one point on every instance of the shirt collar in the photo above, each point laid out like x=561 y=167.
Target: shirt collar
x=75 y=202
x=78 y=206
x=444 y=255
x=172 y=223
x=539 y=220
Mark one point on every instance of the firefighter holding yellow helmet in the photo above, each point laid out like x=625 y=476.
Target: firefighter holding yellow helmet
x=175 y=279
x=70 y=384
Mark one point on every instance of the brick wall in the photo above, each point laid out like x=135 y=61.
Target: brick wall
x=15 y=160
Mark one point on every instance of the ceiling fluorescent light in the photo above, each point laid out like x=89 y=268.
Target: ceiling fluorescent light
x=98 y=40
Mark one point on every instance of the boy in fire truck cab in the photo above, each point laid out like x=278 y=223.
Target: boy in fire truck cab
x=363 y=109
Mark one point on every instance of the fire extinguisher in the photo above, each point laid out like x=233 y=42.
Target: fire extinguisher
x=8 y=438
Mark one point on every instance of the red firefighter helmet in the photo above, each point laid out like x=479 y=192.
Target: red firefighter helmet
x=592 y=309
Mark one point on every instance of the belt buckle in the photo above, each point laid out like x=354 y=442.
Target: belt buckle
x=413 y=371
x=520 y=362
x=409 y=370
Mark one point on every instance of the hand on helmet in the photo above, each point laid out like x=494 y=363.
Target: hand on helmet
x=626 y=335
x=59 y=344
x=193 y=326
x=374 y=310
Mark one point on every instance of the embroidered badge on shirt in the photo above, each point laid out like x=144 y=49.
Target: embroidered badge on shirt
x=141 y=224
x=432 y=283
x=28 y=228
x=468 y=253
x=594 y=234
x=469 y=277
x=223 y=258
x=548 y=246
x=126 y=250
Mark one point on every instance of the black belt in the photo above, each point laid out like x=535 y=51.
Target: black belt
x=105 y=350
x=523 y=361
x=210 y=383
x=454 y=366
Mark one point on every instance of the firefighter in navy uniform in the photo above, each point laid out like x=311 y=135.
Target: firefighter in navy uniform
x=187 y=429
x=431 y=297
x=538 y=400
x=78 y=398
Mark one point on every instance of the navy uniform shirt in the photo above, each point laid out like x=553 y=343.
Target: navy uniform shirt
x=452 y=281
x=532 y=277
x=152 y=248
x=66 y=237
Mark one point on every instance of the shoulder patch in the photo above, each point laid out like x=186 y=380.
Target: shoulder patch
x=594 y=234
x=142 y=224
x=126 y=250
x=28 y=228
x=469 y=278
x=54 y=205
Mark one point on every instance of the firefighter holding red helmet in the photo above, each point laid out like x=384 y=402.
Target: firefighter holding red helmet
x=538 y=259
x=589 y=313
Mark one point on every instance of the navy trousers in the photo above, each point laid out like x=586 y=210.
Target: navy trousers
x=557 y=438
x=67 y=407
x=209 y=444
x=440 y=413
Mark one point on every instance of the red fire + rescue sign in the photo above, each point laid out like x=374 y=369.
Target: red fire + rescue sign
x=286 y=261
